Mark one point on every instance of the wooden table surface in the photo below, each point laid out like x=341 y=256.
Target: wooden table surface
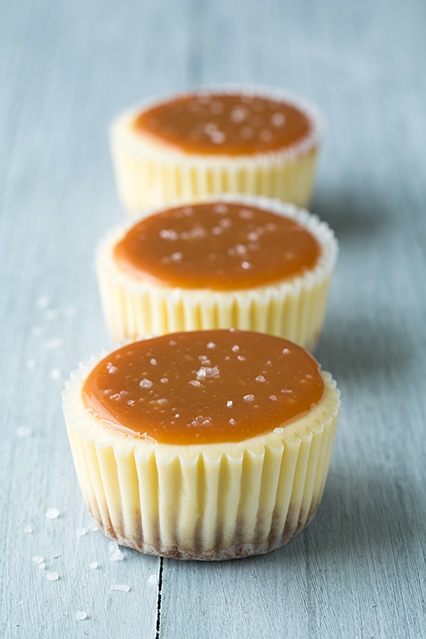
x=66 y=68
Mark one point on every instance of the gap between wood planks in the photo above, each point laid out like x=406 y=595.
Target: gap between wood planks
x=160 y=587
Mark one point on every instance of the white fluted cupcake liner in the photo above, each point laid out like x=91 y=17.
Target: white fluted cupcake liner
x=294 y=309
x=150 y=174
x=208 y=502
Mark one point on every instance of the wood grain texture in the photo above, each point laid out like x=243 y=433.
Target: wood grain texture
x=65 y=70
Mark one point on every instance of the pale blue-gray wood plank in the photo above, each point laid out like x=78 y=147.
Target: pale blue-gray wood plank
x=65 y=70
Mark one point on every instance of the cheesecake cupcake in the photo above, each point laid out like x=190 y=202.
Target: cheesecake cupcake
x=208 y=143
x=204 y=444
x=248 y=263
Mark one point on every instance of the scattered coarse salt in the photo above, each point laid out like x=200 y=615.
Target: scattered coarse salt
x=38 y=559
x=211 y=345
x=94 y=528
x=229 y=403
x=248 y=398
x=42 y=566
x=28 y=530
x=285 y=351
x=80 y=532
x=273 y=398
x=52 y=576
x=235 y=348
x=164 y=380
x=94 y=565
x=145 y=383
x=111 y=368
x=153 y=580
x=278 y=430
x=115 y=552
x=232 y=421
x=153 y=361
x=194 y=382
x=23 y=432
x=260 y=378
x=121 y=587
x=52 y=513
x=245 y=265
x=80 y=615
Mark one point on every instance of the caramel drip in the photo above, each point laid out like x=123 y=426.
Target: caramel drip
x=204 y=386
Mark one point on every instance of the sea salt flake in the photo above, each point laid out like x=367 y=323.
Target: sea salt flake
x=169 y=234
x=273 y=398
x=277 y=119
x=194 y=382
x=94 y=565
x=80 y=532
x=42 y=566
x=38 y=559
x=52 y=513
x=241 y=358
x=229 y=403
x=111 y=368
x=176 y=257
x=153 y=580
x=52 y=576
x=153 y=361
x=232 y=421
x=278 y=430
x=220 y=208
x=146 y=383
x=248 y=398
x=28 y=530
x=235 y=348
x=131 y=402
x=245 y=265
x=208 y=372
x=217 y=137
x=115 y=552
x=285 y=351
x=115 y=396
x=120 y=587
x=80 y=615
x=164 y=380
x=211 y=345
x=23 y=432
x=260 y=378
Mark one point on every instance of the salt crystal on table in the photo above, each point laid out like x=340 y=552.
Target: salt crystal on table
x=52 y=576
x=52 y=513
x=80 y=532
x=38 y=559
x=94 y=565
x=24 y=432
x=153 y=579
x=28 y=530
x=121 y=587
x=80 y=615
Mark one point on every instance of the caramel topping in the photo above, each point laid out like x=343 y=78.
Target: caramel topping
x=218 y=246
x=204 y=386
x=225 y=124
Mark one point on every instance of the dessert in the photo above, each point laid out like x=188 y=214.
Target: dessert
x=202 y=444
x=211 y=142
x=249 y=263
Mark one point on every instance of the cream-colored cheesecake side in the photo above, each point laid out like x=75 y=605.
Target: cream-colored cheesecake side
x=211 y=502
x=151 y=173
x=294 y=309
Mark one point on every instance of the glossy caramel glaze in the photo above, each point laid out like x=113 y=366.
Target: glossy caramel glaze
x=225 y=124
x=203 y=387
x=218 y=246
